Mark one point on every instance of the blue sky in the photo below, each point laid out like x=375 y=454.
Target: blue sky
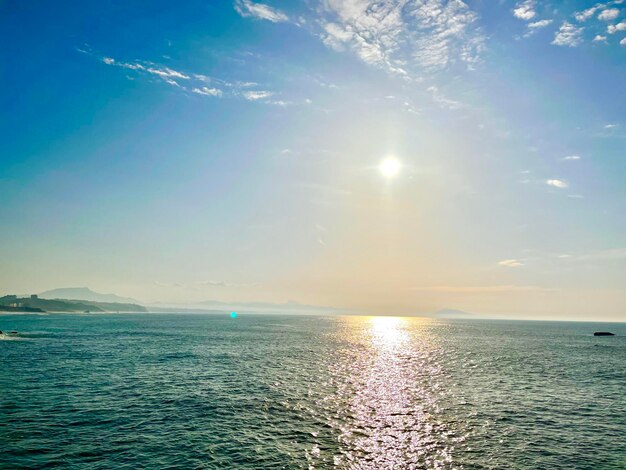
x=230 y=151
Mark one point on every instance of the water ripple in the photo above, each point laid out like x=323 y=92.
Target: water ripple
x=171 y=391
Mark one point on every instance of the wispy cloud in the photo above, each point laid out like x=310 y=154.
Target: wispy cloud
x=204 y=85
x=256 y=95
x=511 y=263
x=260 y=11
x=557 y=183
x=442 y=100
x=404 y=38
x=166 y=73
x=207 y=91
x=599 y=38
x=568 y=35
x=572 y=157
x=535 y=26
x=539 y=24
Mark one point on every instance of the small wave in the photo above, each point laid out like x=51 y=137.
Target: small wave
x=4 y=337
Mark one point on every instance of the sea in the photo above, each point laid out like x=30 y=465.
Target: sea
x=176 y=391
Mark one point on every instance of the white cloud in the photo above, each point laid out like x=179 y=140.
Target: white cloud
x=256 y=95
x=610 y=126
x=525 y=10
x=539 y=24
x=397 y=36
x=608 y=14
x=572 y=157
x=622 y=42
x=246 y=8
x=585 y=14
x=568 y=35
x=614 y=28
x=207 y=91
x=536 y=26
x=557 y=183
x=511 y=263
x=599 y=38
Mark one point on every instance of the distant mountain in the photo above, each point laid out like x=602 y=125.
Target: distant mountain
x=451 y=313
x=84 y=293
x=36 y=304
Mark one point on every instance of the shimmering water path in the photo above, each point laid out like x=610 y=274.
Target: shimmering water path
x=266 y=391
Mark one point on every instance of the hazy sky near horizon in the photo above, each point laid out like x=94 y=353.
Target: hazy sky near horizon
x=224 y=150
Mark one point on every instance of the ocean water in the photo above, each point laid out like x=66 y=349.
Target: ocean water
x=275 y=391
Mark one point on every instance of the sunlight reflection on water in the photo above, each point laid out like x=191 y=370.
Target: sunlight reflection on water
x=388 y=333
x=388 y=399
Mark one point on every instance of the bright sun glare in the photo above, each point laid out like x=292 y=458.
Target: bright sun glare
x=390 y=167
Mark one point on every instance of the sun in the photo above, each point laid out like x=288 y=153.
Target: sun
x=390 y=167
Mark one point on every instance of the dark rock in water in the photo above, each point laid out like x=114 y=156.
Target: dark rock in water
x=603 y=333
